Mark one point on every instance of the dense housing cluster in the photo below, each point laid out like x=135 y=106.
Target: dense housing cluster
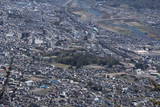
x=79 y=53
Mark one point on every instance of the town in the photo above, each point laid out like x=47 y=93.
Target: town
x=78 y=53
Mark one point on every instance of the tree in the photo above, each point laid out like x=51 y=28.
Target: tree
x=4 y=86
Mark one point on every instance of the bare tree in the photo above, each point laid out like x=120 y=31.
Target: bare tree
x=8 y=72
